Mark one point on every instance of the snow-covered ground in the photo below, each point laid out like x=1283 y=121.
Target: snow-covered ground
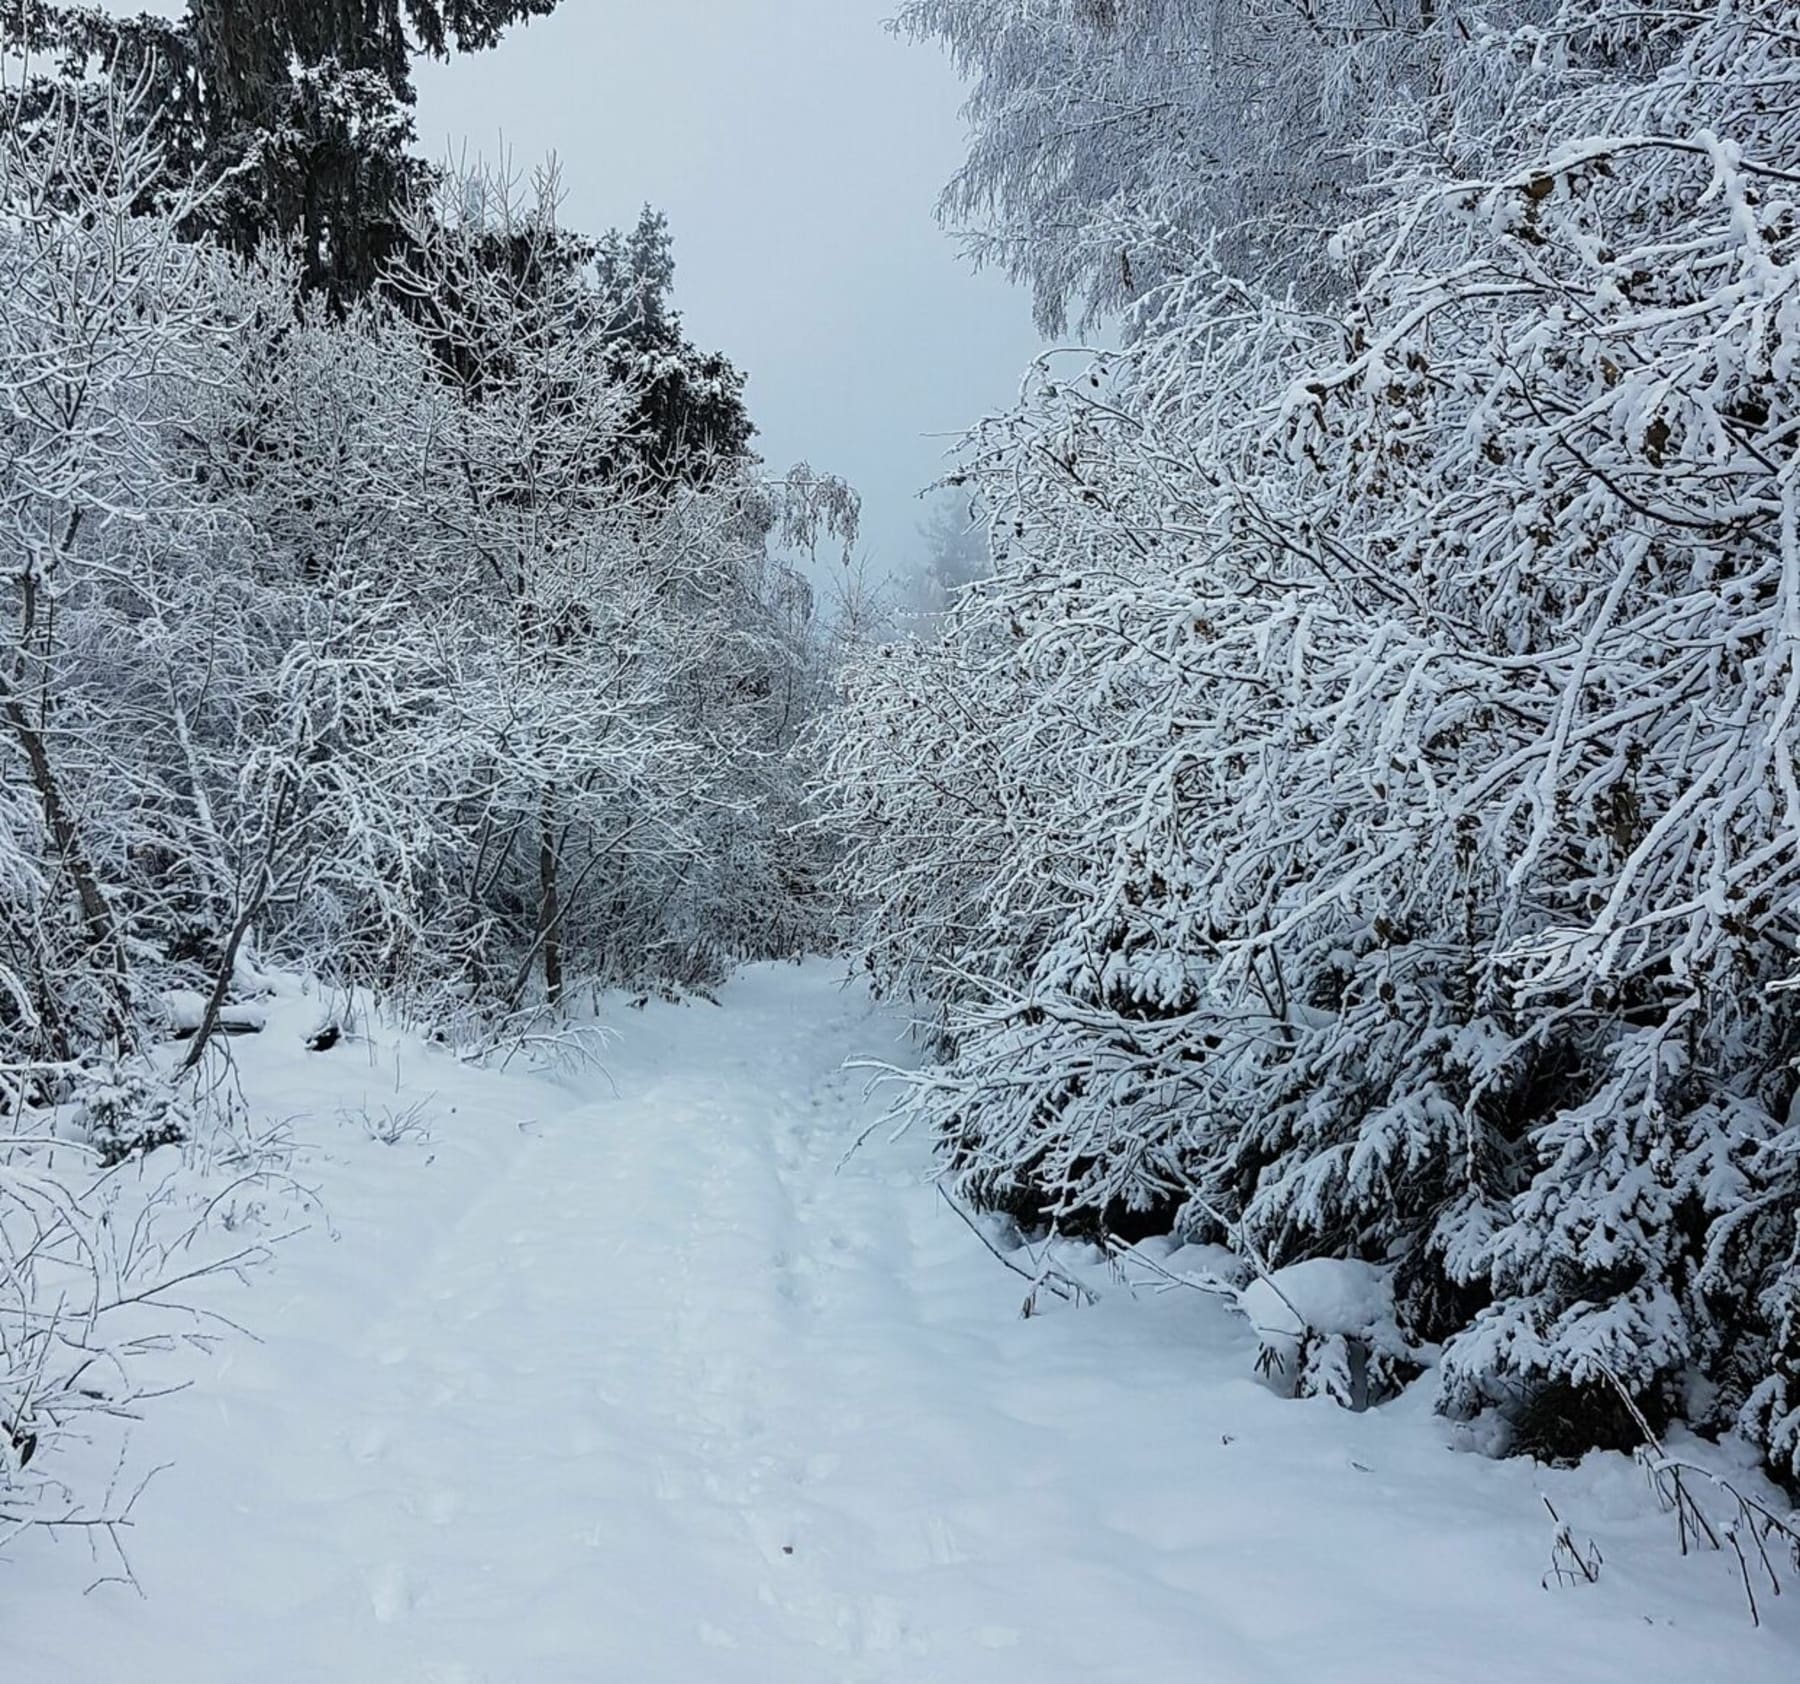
x=624 y=1379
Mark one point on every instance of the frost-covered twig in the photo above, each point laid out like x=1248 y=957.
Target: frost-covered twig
x=1045 y=1277
x=1570 y=1561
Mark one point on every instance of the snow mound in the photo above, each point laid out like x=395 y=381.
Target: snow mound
x=1322 y=1295
x=1327 y=1329
x=182 y=1010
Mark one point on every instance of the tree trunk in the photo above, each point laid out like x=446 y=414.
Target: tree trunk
x=254 y=901
x=549 y=899
x=96 y=912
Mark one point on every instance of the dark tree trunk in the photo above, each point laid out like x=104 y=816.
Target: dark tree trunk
x=550 y=899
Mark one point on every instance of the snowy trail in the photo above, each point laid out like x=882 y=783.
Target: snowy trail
x=639 y=1387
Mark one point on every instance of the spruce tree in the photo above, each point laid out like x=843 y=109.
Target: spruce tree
x=299 y=111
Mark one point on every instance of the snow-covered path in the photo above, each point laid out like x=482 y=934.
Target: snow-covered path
x=637 y=1386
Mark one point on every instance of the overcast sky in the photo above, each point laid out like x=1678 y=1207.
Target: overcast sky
x=798 y=149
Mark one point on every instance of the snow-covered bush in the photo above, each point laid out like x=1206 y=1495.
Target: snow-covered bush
x=633 y=661
x=1327 y=1329
x=1362 y=805
x=116 y=1198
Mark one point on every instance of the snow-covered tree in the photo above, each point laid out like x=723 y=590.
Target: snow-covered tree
x=103 y=307
x=625 y=626
x=1359 y=812
x=410 y=638
x=297 y=113
x=690 y=422
x=951 y=554
x=1116 y=141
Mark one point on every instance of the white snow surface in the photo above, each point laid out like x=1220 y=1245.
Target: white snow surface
x=624 y=1379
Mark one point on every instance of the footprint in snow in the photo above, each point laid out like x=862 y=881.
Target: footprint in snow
x=370 y=1442
x=391 y=1595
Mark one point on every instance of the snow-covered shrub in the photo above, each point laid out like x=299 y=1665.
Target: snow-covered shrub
x=124 y=1110
x=1327 y=1329
x=1771 y=1413
x=1361 y=808
x=1566 y=430
x=119 y=1191
x=633 y=662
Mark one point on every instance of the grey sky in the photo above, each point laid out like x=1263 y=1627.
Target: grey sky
x=798 y=149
